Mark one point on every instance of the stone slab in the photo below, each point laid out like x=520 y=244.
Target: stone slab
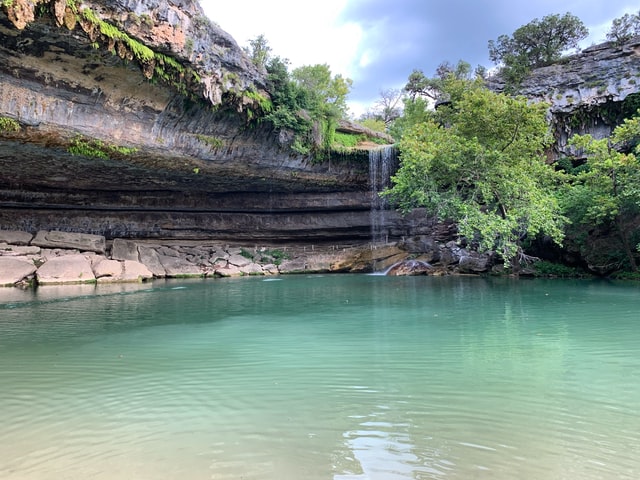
x=108 y=268
x=66 y=269
x=13 y=270
x=82 y=241
x=179 y=267
x=18 y=250
x=124 y=250
x=150 y=259
x=15 y=237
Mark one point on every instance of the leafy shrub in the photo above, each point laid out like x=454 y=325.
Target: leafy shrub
x=97 y=148
x=9 y=125
x=550 y=269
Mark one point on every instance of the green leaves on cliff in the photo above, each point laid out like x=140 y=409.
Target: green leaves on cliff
x=485 y=170
x=8 y=125
x=605 y=193
x=306 y=103
x=94 y=148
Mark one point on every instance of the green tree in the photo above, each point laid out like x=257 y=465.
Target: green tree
x=423 y=93
x=485 y=170
x=433 y=88
x=538 y=43
x=624 y=28
x=259 y=51
x=606 y=193
x=326 y=90
x=308 y=102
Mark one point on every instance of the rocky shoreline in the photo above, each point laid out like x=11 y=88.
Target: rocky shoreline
x=55 y=258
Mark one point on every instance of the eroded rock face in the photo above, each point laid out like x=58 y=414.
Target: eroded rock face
x=192 y=171
x=586 y=92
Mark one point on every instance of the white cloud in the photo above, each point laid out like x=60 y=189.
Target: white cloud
x=303 y=33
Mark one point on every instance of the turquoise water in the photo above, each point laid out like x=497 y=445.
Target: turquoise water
x=321 y=377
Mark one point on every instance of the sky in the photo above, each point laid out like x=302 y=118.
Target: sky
x=378 y=43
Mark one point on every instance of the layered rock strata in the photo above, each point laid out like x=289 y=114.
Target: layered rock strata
x=180 y=157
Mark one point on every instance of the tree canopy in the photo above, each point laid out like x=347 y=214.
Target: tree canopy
x=307 y=102
x=605 y=192
x=538 y=43
x=484 y=169
x=624 y=28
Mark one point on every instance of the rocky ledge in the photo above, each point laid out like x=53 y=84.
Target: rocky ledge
x=53 y=257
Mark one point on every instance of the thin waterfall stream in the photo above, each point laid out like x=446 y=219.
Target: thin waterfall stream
x=383 y=163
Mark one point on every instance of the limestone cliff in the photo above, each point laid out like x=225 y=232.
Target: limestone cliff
x=590 y=92
x=135 y=121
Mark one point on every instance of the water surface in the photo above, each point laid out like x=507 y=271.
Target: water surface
x=321 y=377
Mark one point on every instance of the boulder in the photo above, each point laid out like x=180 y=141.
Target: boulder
x=124 y=250
x=108 y=269
x=424 y=245
x=228 y=271
x=135 y=272
x=15 y=237
x=149 y=258
x=81 y=241
x=410 y=268
x=111 y=271
x=18 y=250
x=252 y=269
x=361 y=260
x=298 y=265
x=179 y=267
x=474 y=263
x=238 y=260
x=13 y=270
x=66 y=269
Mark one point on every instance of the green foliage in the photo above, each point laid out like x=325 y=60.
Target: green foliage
x=259 y=51
x=274 y=256
x=263 y=103
x=632 y=276
x=328 y=94
x=435 y=88
x=72 y=4
x=416 y=110
x=624 y=28
x=550 y=269
x=97 y=148
x=155 y=65
x=9 y=125
x=377 y=125
x=211 y=141
x=606 y=193
x=346 y=140
x=539 y=42
x=485 y=170
x=307 y=103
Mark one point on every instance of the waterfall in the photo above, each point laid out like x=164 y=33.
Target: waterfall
x=383 y=163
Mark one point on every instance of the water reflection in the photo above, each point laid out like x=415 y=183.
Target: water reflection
x=350 y=377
